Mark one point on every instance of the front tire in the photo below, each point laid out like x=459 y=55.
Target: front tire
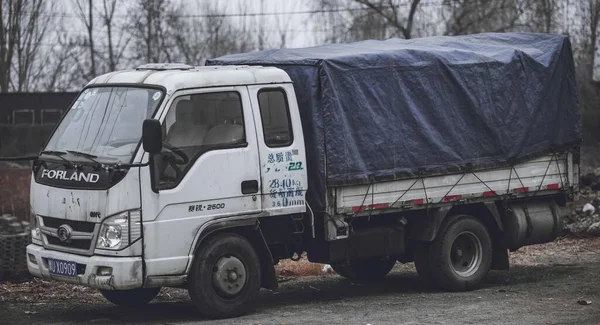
x=130 y=298
x=460 y=256
x=225 y=276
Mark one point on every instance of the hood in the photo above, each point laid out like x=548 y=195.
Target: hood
x=84 y=204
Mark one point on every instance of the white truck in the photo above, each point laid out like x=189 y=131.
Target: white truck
x=196 y=177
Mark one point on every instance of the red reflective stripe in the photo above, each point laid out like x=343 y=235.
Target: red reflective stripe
x=522 y=189
x=378 y=206
x=451 y=197
x=357 y=209
x=489 y=193
x=418 y=201
x=552 y=186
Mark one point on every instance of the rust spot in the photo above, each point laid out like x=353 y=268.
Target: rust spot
x=135 y=271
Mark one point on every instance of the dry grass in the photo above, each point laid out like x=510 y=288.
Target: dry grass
x=39 y=291
x=561 y=250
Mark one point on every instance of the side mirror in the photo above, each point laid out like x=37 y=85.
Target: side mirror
x=152 y=136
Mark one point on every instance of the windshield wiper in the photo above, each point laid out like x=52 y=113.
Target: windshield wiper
x=87 y=156
x=58 y=154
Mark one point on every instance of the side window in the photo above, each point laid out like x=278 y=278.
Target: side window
x=196 y=124
x=275 y=115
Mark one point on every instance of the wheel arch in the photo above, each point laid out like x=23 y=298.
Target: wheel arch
x=249 y=228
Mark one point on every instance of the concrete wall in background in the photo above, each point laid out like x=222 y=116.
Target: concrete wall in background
x=14 y=192
x=26 y=121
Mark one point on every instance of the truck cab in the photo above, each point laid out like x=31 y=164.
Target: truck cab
x=224 y=149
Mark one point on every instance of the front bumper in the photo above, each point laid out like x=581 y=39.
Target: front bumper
x=126 y=271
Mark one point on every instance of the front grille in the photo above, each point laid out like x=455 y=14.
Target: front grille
x=82 y=226
x=83 y=244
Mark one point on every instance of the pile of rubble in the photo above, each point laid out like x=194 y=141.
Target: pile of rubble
x=10 y=225
x=584 y=217
x=584 y=220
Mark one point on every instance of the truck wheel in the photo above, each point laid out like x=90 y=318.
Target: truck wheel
x=225 y=276
x=459 y=257
x=130 y=298
x=365 y=270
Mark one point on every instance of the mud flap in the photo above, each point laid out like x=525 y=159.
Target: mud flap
x=269 y=279
x=500 y=257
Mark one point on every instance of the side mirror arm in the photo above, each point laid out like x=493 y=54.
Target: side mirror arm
x=154 y=179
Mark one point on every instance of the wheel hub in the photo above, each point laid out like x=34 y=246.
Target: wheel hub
x=466 y=254
x=229 y=276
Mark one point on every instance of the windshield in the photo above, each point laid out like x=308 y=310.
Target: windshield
x=106 y=122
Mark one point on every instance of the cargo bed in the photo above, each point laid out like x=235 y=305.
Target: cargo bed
x=545 y=175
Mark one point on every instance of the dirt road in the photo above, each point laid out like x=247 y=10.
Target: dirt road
x=542 y=287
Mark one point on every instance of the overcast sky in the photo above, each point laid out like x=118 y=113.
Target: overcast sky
x=277 y=15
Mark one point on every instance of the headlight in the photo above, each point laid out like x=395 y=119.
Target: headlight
x=120 y=230
x=36 y=236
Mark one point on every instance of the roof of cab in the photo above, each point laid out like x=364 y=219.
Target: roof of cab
x=180 y=76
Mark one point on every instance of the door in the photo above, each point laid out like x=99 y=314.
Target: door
x=208 y=169
x=281 y=149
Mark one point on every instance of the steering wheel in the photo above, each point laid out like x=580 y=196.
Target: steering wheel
x=181 y=158
x=173 y=158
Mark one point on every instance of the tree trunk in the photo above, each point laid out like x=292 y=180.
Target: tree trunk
x=91 y=39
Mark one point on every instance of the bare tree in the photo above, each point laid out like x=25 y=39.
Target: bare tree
x=85 y=12
x=28 y=48
x=115 y=50
x=10 y=13
x=59 y=74
x=261 y=27
x=22 y=29
x=283 y=30
x=369 y=19
x=592 y=45
x=476 y=16
x=211 y=34
x=586 y=51
x=392 y=12
x=544 y=12
x=151 y=32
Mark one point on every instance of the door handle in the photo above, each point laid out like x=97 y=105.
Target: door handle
x=250 y=187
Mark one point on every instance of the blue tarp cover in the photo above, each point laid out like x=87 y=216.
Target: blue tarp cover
x=382 y=110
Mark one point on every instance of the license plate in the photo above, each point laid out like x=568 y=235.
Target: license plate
x=62 y=268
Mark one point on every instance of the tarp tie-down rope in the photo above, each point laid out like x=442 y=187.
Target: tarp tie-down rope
x=539 y=188
x=371 y=191
x=450 y=190
x=562 y=185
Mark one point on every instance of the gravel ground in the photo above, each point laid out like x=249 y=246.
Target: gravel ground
x=542 y=287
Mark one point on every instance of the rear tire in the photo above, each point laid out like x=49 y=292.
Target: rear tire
x=371 y=269
x=225 y=276
x=130 y=298
x=460 y=256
